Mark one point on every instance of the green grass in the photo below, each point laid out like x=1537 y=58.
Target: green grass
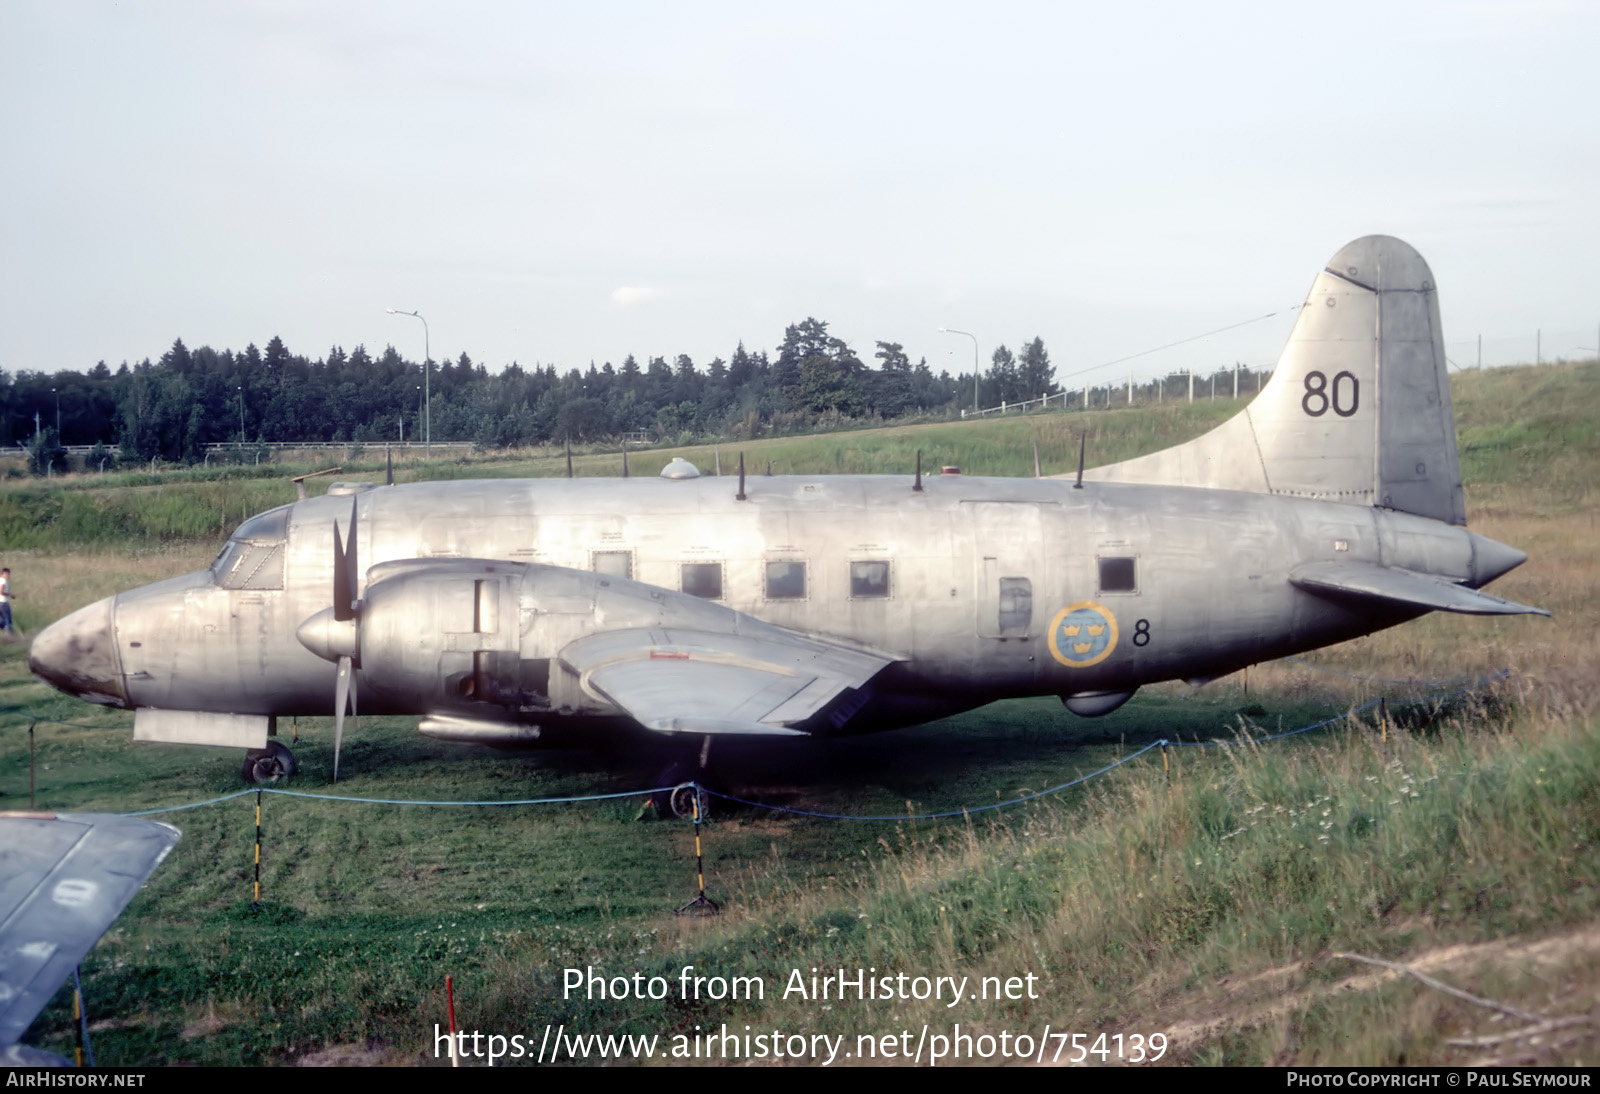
x=1120 y=896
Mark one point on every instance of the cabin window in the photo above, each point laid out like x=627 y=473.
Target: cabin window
x=702 y=579
x=1016 y=606
x=612 y=563
x=869 y=579
x=1119 y=575
x=786 y=580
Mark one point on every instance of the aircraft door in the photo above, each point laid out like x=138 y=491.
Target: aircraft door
x=1008 y=557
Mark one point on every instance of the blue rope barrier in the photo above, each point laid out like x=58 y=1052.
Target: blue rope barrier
x=1164 y=742
x=939 y=816
x=967 y=811
x=404 y=801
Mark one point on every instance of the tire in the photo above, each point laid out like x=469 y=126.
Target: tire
x=268 y=765
x=680 y=802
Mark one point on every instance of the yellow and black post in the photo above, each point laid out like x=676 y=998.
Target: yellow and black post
x=701 y=905
x=256 y=903
x=1383 y=719
x=81 y=1019
x=77 y=1013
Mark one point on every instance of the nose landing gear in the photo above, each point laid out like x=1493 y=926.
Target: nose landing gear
x=268 y=765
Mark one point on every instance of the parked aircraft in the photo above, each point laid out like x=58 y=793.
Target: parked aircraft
x=503 y=611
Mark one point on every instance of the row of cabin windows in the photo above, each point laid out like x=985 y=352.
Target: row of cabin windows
x=785 y=580
x=868 y=580
x=257 y=565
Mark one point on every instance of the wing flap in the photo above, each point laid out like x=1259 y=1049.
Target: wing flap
x=683 y=681
x=1394 y=586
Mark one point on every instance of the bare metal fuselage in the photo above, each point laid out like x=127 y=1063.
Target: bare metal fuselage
x=1211 y=591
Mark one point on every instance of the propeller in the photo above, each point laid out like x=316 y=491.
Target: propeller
x=334 y=633
x=345 y=610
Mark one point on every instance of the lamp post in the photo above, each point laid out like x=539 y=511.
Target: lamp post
x=427 y=410
x=57 y=394
x=974 y=337
x=241 y=418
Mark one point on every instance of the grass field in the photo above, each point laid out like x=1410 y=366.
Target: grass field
x=1205 y=903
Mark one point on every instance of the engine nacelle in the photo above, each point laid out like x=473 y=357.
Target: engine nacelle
x=484 y=638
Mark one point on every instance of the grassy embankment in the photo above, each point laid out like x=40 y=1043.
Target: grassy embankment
x=1206 y=908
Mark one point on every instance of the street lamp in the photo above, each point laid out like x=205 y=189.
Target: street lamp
x=241 y=417
x=427 y=410
x=57 y=394
x=974 y=337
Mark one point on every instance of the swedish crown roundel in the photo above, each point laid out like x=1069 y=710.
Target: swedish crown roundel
x=1083 y=634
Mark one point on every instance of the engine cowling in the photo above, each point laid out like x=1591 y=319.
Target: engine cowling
x=483 y=638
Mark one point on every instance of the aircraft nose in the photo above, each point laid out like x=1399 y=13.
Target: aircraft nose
x=78 y=654
x=1491 y=558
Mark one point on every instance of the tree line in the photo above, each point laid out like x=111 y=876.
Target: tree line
x=175 y=407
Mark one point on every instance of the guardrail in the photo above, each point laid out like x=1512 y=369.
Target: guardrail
x=334 y=446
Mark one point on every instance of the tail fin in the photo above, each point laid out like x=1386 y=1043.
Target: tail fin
x=1358 y=409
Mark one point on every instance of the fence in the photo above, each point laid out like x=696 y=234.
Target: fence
x=1144 y=392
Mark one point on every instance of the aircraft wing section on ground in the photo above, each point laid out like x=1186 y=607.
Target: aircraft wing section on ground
x=64 y=878
x=1386 y=583
x=677 y=680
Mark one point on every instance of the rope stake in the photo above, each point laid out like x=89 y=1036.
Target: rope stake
x=256 y=903
x=701 y=905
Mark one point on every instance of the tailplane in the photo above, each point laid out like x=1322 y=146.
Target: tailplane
x=1358 y=408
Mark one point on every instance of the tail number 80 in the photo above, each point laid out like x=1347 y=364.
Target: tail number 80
x=1344 y=397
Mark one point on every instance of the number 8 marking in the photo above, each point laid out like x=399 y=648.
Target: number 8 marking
x=1141 y=633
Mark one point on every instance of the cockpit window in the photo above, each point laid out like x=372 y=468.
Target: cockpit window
x=249 y=566
x=253 y=558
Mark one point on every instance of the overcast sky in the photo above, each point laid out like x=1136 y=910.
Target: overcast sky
x=561 y=183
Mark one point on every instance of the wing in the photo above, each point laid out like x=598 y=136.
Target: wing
x=679 y=680
x=64 y=878
x=1385 y=583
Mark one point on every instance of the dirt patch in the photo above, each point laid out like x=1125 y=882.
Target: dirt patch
x=352 y=1055
x=1259 y=998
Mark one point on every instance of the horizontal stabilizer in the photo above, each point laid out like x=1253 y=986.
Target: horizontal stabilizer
x=1402 y=587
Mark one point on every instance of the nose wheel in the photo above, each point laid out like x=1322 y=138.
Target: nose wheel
x=268 y=765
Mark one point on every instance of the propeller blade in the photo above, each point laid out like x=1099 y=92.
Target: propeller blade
x=346 y=572
x=353 y=576
x=341 y=696
x=343 y=594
